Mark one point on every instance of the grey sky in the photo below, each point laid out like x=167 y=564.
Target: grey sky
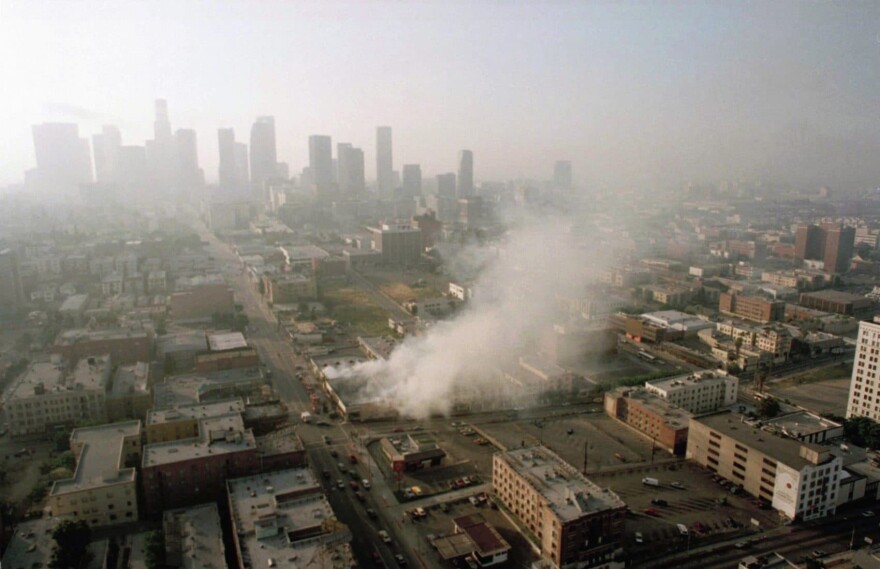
x=632 y=93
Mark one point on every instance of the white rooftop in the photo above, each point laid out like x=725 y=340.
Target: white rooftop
x=226 y=341
x=217 y=435
x=101 y=460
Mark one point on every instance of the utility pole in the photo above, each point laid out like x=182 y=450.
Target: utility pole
x=653 y=441
x=585 y=457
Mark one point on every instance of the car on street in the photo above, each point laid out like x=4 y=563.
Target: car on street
x=353 y=484
x=333 y=453
x=659 y=502
x=340 y=484
x=651 y=512
x=741 y=544
x=326 y=439
x=677 y=485
x=639 y=538
x=408 y=494
x=868 y=514
x=682 y=529
x=341 y=468
x=820 y=553
x=416 y=490
x=326 y=473
x=366 y=484
x=383 y=535
x=401 y=560
x=360 y=496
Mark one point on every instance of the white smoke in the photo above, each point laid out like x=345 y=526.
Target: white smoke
x=514 y=301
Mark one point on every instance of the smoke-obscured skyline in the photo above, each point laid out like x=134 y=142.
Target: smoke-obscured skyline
x=632 y=94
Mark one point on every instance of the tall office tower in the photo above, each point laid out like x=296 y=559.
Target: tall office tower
x=64 y=160
x=809 y=242
x=562 y=174
x=226 y=169
x=189 y=175
x=465 y=174
x=839 y=244
x=321 y=163
x=865 y=383
x=342 y=166
x=105 y=150
x=162 y=126
x=384 y=161
x=446 y=185
x=242 y=175
x=133 y=170
x=264 y=159
x=11 y=290
x=412 y=180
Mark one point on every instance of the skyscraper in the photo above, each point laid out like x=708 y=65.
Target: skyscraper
x=161 y=154
x=465 y=174
x=321 y=163
x=446 y=185
x=412 y=180
x=865 y=382
x=226 y=168
x=342 y=165
x=562 y=174
x=64 y=159
x=242 y=176
x=384 y=161
x=11 y=290
x=189 y=175
x=839 y=243
x=263 y=153
x=105 y=149
x=350 y=165
x=161 y=125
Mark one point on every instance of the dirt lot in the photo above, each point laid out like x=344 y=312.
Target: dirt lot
x=355 y=307
x=829 y=396
x=409 y=285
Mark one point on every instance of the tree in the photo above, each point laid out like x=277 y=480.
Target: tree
x=154 y=550
x=768 y=408
x=73 y=539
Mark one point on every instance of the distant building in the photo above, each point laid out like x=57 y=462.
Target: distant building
x=288 y=288
x=412 y=180
x=384 y=161
x=321 y=164
x=263 y=158
x=283 y=520
x=465 y=174
x=838 y=302
x=103 y=490
x=799 y=479
x=577 y=523
x=751 y=307
x=831 y=243
x=64 y=160
x=129 y=395
x=202 y=302
x=12 y=299
x=399 y=243
x=562 y=174
x=350 y=170
x=865 y=384
x=446 y=185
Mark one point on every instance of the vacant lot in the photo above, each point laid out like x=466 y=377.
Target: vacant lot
x=827 y=396
x=355 y=307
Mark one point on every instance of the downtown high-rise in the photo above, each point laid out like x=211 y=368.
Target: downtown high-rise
x=264 y=158
x=465 y=174
x=321 y=163
x=384 y=161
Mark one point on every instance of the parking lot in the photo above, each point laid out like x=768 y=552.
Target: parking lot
x=655 y=511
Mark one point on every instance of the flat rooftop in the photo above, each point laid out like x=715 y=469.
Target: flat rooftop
x=131 y=379
x=74 y=303
x=784 y=450
x=689 y=380
x=70 y=337
x=802 y=423
x=180 y=390
x=836 y=296
x=569 y=494
x=101 y=460
x=31 y=544
x=284 y=520
x=226 y=341
x=379 y=347
x=219 y=435
x=195 y=534
x=46 y=374
x=674 y=417
x=197 y=411
x=485 y=537
x=282 y=441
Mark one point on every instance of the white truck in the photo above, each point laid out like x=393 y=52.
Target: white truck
x=647 y=481
x=305 y=417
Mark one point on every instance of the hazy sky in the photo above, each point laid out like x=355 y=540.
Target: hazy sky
x=638 y=93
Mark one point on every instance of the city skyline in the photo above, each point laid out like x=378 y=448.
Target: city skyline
x=759 y=94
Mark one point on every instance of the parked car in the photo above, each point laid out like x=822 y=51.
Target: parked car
x=659 y=502
x=639 y=538
x=416 y=490
x=340 y=484
x=383 y=535
x=677 y=485
x=651 y=512
x=682 y=529
x=365 y=483
x=401 y=560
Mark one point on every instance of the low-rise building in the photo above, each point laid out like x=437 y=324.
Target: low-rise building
x=129 y=395
x=665 y=424
x=201 y=302
x=576 y=522
x=412 y=451
x=283 y=520
x=290 y=287
x=800 y=479
x=227 y=350
x=45 y=396
x=838 y=302
x=182 y=422
x=193 y=537
x=103 y=490
x=753 y=308
x=125 y=346
x=194 y=470
x=698 y=392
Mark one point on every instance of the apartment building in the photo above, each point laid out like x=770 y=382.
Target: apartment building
x=45 y=396
x=192 y=535
x=125 y=346
x=799 y=479
x=103 y=490
x=864 y=388
x=751 y=307
x=576 y=522
x=164 y=425
x=194 y=470
x=698 y=392
x=129 y=395
x=283 y=520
